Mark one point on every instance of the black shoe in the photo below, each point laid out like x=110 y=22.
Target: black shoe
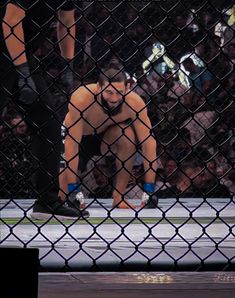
x=59 y=210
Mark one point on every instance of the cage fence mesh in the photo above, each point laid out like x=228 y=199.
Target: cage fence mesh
x=178 y=56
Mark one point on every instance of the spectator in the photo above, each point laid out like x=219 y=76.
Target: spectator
x=176 y=88
x=210 y=186
x=14 y=147
x=193 y=180
x=5 y=176
x=231 y=53
x=228 y=34
x=19 y=126
x=229 y=181
x=169 y=168
x=198 y=124
x=208 y=180
x=185 y=179
x=181 y=182
x=143 y=86
x=199 y=77
x=160 y=179
x=165 y=178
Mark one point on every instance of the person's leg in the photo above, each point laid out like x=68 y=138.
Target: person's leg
x=46 y=132
x=46 y=145
x=121 y=143
x=46 y=142
x=8 y=85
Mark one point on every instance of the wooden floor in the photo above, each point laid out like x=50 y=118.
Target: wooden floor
x=139 y=284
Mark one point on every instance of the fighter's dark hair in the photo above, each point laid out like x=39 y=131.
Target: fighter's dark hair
x=113 y=73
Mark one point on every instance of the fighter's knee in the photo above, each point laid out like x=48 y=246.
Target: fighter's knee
x=119 y=137
x=120 y=133
x=129 y=138
x=127 y=144
x=129 y=132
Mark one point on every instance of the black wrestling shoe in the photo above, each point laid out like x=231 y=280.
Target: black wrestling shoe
x=59 y=210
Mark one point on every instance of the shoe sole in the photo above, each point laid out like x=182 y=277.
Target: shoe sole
x=47 y=216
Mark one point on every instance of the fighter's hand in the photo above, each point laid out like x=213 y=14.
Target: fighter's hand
x=66 y=76
x=27 y=88
x=149 y=198
x=76 y=198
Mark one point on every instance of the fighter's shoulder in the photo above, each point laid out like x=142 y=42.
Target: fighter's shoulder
x=84 y=95
x=135 y=101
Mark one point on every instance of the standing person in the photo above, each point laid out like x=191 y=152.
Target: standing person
x=107 y=118
x=199 y=77
x=22 y=30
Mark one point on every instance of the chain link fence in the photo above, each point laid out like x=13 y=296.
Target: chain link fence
x=179 y=58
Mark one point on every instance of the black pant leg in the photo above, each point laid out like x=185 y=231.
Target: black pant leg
x=46 y=141
x=8 y=85
x=45 y=127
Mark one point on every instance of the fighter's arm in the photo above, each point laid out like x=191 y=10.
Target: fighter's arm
x=74 y=126
x=148 y=143
x=13 y=33
x=66 y=31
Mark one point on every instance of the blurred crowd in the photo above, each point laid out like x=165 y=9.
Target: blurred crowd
x=16 y=162
x=181 y=62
